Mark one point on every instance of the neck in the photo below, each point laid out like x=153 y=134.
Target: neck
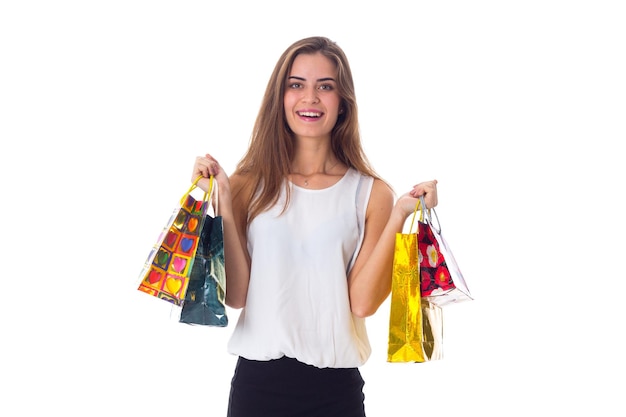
x=310 y=167
x=316 y=159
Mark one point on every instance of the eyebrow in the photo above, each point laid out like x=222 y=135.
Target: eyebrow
x=319 y=80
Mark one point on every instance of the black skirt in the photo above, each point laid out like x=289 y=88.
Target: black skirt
x=287 y=388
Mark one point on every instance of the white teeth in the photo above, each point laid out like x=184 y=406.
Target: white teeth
x=309 y=114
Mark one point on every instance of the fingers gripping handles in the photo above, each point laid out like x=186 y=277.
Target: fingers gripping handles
x=425 y=213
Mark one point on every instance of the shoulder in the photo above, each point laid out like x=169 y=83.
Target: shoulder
x=382 y=190
x=380 y=194
x=381 y=197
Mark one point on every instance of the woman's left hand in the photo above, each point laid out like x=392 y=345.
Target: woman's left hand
x=428 y=189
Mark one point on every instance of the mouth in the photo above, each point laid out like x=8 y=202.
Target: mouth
x=309 y=114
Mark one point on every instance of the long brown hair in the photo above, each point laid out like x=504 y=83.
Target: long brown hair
x=267 y=162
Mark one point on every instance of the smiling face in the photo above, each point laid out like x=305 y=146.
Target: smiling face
x=311 y=98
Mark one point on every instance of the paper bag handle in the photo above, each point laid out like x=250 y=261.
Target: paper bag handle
x=194 y=185
x=427 y=214
x=420 y=203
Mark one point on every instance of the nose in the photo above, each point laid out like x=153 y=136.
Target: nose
x=310 y=95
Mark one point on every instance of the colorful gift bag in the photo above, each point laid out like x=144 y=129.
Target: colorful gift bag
x=204 y=302
x=442 y=282
x=415 y=324
x=166 y=271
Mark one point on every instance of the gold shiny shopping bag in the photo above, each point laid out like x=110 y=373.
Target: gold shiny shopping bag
x=415 y=325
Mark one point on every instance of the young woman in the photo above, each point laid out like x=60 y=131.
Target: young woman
x=309 y=240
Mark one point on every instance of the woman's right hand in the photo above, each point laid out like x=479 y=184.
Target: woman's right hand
x=206 y=166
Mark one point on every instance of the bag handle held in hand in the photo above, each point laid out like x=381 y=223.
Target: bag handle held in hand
x=207 y=194
x=425 y=213
x=429 y=213
x=418 y=207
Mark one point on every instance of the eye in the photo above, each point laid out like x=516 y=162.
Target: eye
x=294 y=85
x=326 y=87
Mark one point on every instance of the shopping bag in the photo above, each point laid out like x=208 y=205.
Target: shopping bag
x=204 y=301
x=415 y=324
x=441 y=279
x=432 y=330
x=165 y=274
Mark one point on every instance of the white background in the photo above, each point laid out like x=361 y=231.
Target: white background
x=517 y=108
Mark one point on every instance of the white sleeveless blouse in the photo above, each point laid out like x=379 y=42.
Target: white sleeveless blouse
x=298 y=304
